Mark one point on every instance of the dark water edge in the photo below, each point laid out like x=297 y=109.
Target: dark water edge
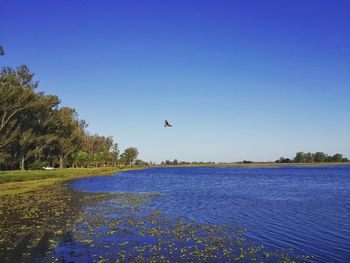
x=298 y=210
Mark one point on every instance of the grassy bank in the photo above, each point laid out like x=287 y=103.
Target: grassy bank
x=29 y=175
x=16 y=182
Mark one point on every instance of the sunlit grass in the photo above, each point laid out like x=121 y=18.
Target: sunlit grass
x=26 y=186
x=17 y=182
x=28 y=175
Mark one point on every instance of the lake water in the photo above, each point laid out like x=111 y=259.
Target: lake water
x=306 y=209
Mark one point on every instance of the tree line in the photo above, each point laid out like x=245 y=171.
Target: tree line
x=177 y=162
x=35 y=131
x=317 y=157
x=300 y=157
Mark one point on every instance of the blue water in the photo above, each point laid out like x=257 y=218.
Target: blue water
x=303 y=208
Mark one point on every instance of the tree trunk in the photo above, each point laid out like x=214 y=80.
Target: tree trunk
x=61 y=162
x=22 y=163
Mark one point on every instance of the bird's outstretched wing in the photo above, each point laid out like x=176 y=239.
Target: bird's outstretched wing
x=167 y=124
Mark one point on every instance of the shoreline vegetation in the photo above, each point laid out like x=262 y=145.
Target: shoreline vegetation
x=251 y=164
x=15 y=182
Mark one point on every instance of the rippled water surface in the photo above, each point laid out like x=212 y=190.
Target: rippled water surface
x=303 y=208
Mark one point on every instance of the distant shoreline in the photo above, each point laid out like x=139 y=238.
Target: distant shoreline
x=257 y=164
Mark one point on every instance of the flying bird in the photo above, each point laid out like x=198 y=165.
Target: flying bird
x=167 y=124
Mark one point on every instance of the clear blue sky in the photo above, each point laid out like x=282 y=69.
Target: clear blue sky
x=251 y=80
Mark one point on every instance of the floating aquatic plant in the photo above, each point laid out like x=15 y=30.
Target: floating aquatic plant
x=56 y=223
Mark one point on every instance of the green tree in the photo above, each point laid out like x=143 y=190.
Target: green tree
x=309 y=157
x=115 y=153
x=80 y=158
x=44 y=127
x=140 y=162
x=25 y=143
x=283 y=160
x=35 y=131
x=17 y=96
x=299 y=157
x=101 y=149
x=99 y=158
x=337 y=157
x=329 y=158
x=129 y=155
x=70 y=133
x=34 y=135
x=320 y=157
